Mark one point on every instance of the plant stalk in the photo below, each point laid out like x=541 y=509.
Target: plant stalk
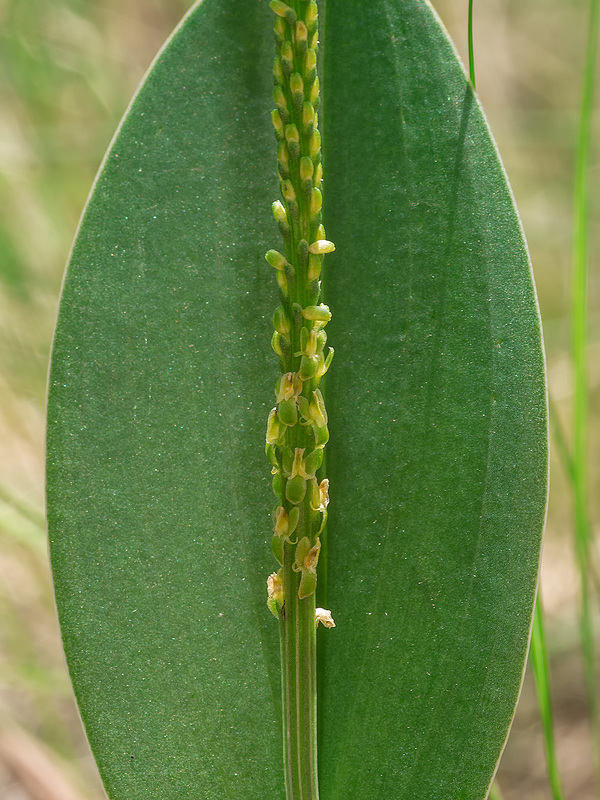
x=579 y=355
x=541 y=673
x=297 y=428
x=299 y=688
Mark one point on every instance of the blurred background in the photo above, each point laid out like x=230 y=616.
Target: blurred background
x=67 y=71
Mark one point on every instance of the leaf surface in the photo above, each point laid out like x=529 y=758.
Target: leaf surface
x=162 y=378
x=437 y=405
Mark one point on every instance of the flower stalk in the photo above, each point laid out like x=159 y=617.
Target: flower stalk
x=297 y=429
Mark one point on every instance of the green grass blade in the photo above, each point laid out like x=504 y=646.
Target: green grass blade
x=471 y=51
x=495 y=793
x=562 y=448
x=541 y=672
x=579 y=324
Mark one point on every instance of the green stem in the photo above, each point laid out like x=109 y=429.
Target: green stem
x=470 y=38
x=541 y=673
x=495 y=793
x=299 y=689
x=579 y=353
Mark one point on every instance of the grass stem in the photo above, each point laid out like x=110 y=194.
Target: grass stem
x=579 y=325
x=541 y=672
x=471 y=53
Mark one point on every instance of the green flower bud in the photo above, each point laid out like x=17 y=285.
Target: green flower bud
x=276 y=344
x=278 y=485
x=308 y=367
x=303 y=251
x=279 y=211
x=283 y=159
x=281 y=103
x=308 y=119
x=271 y=453
x=273 y=427
x=324 y=364
x=304 y=408
x=277 y=125
x=310 y=66
x=297 y=85
x=314 y=267
x=306 y=168
x=280 y=8
x=291 y=18
x=287 y=461
x=313 y=462
x=301 y=38
x=295 y=490
x=288 y=412
x=276 y=259
x=312 y=14
x=318 y=411
x=294 y=516
x=287 y=190
x=314 y=93
x=280 y=31
x=306 y=559
x=278 y=71
x=312 y=343
x=281 y=521
x=321 y=341
x=317 y=180
x=287 y=57
x=314 y=146
x=320 y=313
x=290 y=274
x=313 y=292
x=283 y=284
x=298 y=464
x=308 y=584
x=304 y=334
x=321 y=246
x=321 y=435
x=316 y=203
x=292 y=138
x=281 y=321
x=298 y=320
x=306 y=556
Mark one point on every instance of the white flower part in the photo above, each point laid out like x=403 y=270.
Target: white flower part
x=323 y=616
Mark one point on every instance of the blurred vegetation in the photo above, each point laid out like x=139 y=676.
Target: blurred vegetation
x=67 y=71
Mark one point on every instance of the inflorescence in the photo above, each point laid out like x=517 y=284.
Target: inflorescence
x=297 y=426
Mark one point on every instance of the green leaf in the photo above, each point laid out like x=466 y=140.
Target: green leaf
x=162 y=378
x=436 y=399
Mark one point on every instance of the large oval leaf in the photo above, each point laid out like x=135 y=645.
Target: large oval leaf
x=158 y=490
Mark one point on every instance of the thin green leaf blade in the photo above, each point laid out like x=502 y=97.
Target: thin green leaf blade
x=438 y=452
x=158 y=489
